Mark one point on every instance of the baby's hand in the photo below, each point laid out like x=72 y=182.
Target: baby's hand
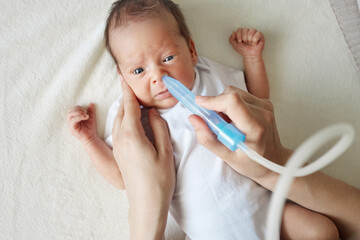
x=248 y=42
x=82 y=123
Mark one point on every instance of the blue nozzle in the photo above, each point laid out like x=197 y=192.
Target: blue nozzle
x=226 y=133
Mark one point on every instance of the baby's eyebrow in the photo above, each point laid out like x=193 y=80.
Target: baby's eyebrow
x=129 y=64
x=131 y=68
x=136 y=58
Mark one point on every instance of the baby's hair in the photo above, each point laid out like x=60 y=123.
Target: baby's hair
x=123 y=11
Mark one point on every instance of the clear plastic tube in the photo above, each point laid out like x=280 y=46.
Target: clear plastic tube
x=226 y=133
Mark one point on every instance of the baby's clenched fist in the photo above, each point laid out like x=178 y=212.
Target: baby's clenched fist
x=248 y=42
x=82 y=123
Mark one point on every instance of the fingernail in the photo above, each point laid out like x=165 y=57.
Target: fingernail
x=200 y=98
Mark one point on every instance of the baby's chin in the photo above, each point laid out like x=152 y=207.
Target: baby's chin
x=163 y=104
x=166 y=104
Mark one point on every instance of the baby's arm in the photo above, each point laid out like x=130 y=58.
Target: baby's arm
x=82 y=125
x=250 y=44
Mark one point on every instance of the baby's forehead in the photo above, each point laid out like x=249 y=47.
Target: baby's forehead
x=163 y=15
x=130 y=39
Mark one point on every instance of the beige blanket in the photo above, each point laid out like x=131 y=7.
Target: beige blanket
x=53 y=57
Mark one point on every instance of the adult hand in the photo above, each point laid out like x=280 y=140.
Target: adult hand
x=255 y=118
x=252 y=116
x=148 y=170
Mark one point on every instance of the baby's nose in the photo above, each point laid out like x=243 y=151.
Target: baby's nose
x=156 y=81
x=157 y=77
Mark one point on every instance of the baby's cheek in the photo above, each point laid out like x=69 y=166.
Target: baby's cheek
x=145 y=98
x=190 y=80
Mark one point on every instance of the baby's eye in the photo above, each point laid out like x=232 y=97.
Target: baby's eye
x=168 y=58
x=138 y=71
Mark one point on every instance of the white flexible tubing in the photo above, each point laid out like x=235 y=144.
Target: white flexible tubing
x=316 y=140
x=292 y=169
x=299 y=157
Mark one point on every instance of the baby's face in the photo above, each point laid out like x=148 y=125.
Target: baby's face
x=148 y=49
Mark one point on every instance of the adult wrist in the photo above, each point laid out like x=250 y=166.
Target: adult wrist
x=148 y=212
x=147 y=222
x=269 y=180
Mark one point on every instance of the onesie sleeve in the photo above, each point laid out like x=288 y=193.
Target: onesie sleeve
x=226 y=75
x=112 y=112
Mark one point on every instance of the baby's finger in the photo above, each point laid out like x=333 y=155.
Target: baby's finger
x=78 y=118
x=232 y=38
x=91 y=111
x=238 y=35
x=250 y=36
x=75 y=110
x=258 y=36
x=234 y=41
x=73 y=113
x=244 y=33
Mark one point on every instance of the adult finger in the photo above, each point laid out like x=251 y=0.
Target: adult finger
x=118 y=121
x=120 y=112
x=161 y=133
x=234 y=106
x=207 y=138
x=132 y=111
x=224 y=103
x=249 y=98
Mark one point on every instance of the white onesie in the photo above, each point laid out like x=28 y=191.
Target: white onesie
x=211 y=200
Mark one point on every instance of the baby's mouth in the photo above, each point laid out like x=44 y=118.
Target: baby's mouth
x=163 y=95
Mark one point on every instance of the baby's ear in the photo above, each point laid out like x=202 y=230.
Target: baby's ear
x=193 y=52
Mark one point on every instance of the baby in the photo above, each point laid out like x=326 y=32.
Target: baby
x=149 y=39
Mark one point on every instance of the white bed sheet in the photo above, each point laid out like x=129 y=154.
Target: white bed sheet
x=53 y=57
